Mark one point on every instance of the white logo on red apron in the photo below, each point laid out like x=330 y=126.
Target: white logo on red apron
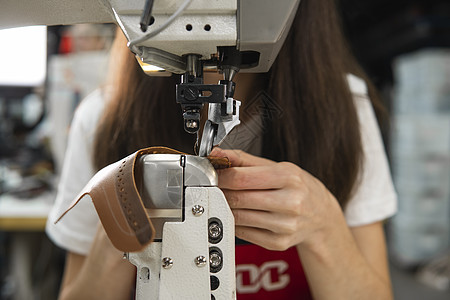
x=270 y=276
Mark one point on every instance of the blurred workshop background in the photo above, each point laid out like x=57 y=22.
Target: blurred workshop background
x=404 y=45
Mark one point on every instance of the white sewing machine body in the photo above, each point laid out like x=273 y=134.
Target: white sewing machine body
x=192 y=256
x=259 y=26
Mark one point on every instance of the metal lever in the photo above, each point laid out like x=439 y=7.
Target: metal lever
x=146 y=15
x=219 y=124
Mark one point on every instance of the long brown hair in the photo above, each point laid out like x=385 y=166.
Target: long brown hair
x=319 y=129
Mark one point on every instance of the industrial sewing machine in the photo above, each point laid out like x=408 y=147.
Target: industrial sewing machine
x=192 y=256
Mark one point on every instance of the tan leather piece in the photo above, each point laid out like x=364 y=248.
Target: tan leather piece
x=118 y=203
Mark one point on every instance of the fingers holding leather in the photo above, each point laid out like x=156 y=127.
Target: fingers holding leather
x=239 y=158
x=280 y=224
x=275 y=205
x=266 y=200
x=250 y=199
x=253 y=178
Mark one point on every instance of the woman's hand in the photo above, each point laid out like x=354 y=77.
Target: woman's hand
x=277 y=205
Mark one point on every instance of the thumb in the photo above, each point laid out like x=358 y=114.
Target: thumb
x=239 y=158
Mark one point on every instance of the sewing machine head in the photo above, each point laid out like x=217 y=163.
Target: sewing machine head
x=182 y=37
x=226 y=35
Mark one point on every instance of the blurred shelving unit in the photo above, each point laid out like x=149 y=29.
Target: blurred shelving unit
x=404 y=46
x=420 y=149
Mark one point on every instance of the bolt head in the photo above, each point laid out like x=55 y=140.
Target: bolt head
x=200 y=261
x=191 y=93
x=215 y=259
x=198 y=210
x=167 y=262
x=214 y=230
x=191 y=124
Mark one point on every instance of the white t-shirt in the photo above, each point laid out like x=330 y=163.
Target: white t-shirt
x=374 y=200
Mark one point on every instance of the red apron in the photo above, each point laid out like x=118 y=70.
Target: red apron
x=264 y=274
